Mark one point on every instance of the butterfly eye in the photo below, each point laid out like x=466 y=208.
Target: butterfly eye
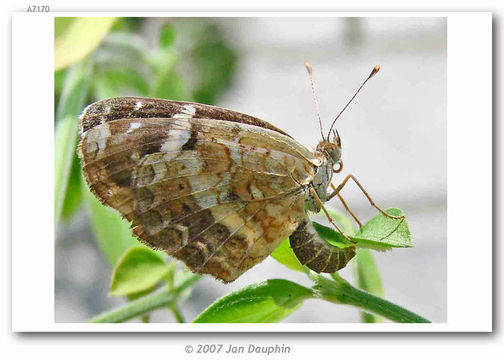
x=340 y=167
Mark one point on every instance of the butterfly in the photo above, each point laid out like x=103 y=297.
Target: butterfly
x=215 y=188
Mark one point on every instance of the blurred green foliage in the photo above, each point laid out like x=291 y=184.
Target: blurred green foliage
x=75 y=38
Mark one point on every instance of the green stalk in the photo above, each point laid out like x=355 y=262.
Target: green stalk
x=337 y=291
x=176 y=313
x=144 y=305
x=340 y=291
x=171 y=282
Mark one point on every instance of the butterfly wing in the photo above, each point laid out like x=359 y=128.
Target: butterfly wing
x=140 y=108
x=217 y=194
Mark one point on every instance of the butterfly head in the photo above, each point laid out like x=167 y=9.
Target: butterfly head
x=331 y=149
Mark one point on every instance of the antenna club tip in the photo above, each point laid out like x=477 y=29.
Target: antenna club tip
x=308 y=67
x=375 y=70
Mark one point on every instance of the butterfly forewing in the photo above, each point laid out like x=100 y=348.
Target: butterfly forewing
x=139 y=108
x=219 y=194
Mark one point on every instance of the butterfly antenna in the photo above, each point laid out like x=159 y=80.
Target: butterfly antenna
x=310 y=74
x=373 y=73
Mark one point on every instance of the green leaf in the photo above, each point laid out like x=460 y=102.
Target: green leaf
x=264 y=302
x=332 y=237
x=73 y=196
x=113 y=82
x=169 y=86
x=215 y=60
x=75 y=88
x=284 y=255
x=146 y=304
x=59 y=79
x=380 y=233
x=65 y=140
x=74 y=38
x=123 y=50
x=129 y=24
x=112 y=232
x=383 y=233
x=137 y=271
x=167 y=35
x=344 y=222
x=123 y=66
x=70 y=105
x=138 y=295
x=367 y=278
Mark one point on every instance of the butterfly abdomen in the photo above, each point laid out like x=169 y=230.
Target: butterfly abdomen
x=317 y=254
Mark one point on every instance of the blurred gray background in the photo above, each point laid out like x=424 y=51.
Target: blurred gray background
x=393 y=138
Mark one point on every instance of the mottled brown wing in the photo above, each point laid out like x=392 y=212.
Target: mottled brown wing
x=218 y=195
x=142 y=108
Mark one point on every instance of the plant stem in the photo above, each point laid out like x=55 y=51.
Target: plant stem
x=340 y=291
x=171 y=281
x=144 y=305
x=176 y=313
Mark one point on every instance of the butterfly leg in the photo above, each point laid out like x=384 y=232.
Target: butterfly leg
x=343 y=183
x=321 y=204
x=346 y=207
